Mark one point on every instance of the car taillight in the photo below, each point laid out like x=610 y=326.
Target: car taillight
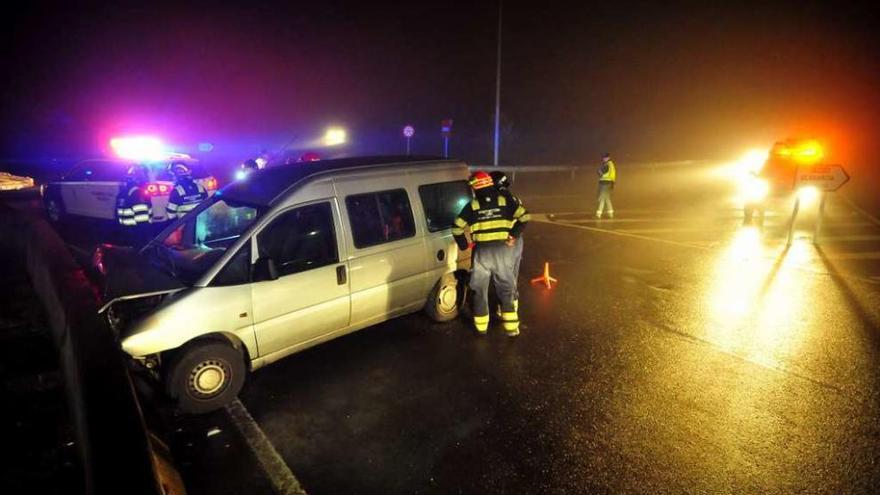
x=157 y=189
x=210 y=183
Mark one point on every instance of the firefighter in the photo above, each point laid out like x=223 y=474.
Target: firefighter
x=133 y=206
x=607 y=176
x=494 y=226
x=187 y=193
x=502 y=183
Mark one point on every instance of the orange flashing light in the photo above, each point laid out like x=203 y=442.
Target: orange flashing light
x=545 y=278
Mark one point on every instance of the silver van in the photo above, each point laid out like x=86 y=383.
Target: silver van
x=291 y=257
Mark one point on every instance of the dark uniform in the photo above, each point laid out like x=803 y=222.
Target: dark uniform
x=185 y=196
x=502 y=183
x=133 y=212
x=494 y=224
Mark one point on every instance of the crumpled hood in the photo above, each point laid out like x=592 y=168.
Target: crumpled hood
x=128 y=273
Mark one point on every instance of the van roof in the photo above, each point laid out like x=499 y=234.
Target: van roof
x=265 y=187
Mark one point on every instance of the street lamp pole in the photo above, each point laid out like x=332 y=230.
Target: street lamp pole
x=498 y=88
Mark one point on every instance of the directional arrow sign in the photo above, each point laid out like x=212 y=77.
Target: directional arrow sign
x=825 y=178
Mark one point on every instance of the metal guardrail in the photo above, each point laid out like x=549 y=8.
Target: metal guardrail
x=111 y=438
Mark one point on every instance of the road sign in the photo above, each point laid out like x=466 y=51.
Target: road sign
x=446 y=127
x=825 y=178
x=408 y=131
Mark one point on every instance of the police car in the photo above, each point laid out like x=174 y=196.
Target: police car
x=91 y=187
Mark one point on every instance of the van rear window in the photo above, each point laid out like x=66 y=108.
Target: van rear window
x=377 y=218
x=443 y=202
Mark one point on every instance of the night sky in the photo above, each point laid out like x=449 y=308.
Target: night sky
x=644 y=81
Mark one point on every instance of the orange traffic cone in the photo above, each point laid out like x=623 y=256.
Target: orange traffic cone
x=546 y=279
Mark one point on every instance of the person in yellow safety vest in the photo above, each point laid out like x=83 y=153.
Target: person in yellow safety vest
x=607 y=177
x=133 y=206
x=187 y=193
x=502 y=183
x=494 y=226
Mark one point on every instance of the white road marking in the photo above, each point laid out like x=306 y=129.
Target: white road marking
x=543 y=218
x=872 y=218
x=849 y=238
x=283 y=480
x=868 y=255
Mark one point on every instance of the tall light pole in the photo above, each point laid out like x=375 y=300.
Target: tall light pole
x=498 y=88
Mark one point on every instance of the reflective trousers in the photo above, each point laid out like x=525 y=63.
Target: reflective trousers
x=605 y=189
x=494 y=262
x=517 y=259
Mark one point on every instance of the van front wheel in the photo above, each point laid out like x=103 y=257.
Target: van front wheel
x=442 y=304
x=205 y=376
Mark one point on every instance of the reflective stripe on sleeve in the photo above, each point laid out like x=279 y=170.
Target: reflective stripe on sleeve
x=171 y=207
x=141 y=207
x=129 y=222
x=525 y=218
x=142 y=218
x=457 y=231
x=520 y=211
x=460 y=222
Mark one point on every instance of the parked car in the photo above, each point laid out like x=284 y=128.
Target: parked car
x=295 y=256
x=91 y=187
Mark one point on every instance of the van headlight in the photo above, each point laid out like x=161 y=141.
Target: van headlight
x=141 y=344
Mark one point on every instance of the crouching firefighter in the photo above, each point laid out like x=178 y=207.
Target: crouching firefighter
x=187 y=193
x=492 y=220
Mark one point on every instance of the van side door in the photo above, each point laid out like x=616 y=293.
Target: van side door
x=310 y=297
x=388 y=255
x=441 y=203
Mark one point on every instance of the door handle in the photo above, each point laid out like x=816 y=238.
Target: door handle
x=341 y=277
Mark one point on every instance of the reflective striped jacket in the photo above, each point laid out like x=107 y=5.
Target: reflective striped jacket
x=133 y=207
x=186 y=195
x=491 y=217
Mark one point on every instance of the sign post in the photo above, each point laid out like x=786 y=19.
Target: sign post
x=446 y=131
x=823 y=178
x=408 y=133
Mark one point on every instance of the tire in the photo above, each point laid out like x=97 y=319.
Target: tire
x=55 y=209
x=205 y=376
x=443 y=303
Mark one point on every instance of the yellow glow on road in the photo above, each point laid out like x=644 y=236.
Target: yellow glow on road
x=758 y=298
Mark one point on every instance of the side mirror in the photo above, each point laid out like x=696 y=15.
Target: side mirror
x=264 y=269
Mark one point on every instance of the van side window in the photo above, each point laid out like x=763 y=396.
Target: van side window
x=380 y=217
x=443 y=202
x=238 y=270
x=301 y=239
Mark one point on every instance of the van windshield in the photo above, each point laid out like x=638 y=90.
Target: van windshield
x=189 y=250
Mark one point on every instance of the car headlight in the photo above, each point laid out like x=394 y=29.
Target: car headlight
x=755 y=189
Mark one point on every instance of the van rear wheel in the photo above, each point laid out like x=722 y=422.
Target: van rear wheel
x=442 y=304
x=205 y=376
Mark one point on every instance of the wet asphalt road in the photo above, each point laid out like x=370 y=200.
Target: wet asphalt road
x=681 y=352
